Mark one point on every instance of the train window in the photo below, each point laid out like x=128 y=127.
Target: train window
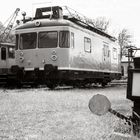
x=72 y=40
x=64 y=39
x=11 y=52
x=114 y=53
x=28 y=41
x=106 y=50
x=48 y=39
x=3 y=53
x=17 y=41
x=87 y=44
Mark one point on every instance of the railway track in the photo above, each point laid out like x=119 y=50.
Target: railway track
x=119 y=82
x=93 y=86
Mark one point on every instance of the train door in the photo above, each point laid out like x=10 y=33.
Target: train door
x=106 y=57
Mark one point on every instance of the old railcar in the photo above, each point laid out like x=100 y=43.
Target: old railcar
x=7 y=59
x=56 y=49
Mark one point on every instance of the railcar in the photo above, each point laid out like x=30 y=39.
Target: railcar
x=7 y=59
x=57 y=49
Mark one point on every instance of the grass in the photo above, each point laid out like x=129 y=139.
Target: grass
x=59 y=114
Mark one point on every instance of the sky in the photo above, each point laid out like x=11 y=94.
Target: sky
x=120 y=13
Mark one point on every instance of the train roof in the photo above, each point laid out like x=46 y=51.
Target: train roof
x=43 y=23
x=44 y=18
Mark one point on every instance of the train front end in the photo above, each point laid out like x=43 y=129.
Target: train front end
x=42 y=49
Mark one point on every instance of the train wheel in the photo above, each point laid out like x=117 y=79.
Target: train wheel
x=52 y=84
x=18 y=84
x=34 y=85
x=19 y=78
x=104 y=84
x=11 y=80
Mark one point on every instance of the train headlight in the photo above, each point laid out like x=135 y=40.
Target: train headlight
x=54 y=57
x=11 y=50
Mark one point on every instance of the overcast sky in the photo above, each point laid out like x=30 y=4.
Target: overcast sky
x=120 y=13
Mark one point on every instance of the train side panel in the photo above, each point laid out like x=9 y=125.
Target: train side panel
x=102 y=56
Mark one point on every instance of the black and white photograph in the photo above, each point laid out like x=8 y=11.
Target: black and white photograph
x=70 y=70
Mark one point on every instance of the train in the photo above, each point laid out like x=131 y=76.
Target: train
x=57 y=49
x=7 y=59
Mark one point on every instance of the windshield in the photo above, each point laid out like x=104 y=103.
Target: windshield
x=28 y=41
x=48 y=39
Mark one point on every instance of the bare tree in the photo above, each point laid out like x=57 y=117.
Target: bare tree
x=101 y=23
x=124 y=39
x=1 y=26
x=1 y=29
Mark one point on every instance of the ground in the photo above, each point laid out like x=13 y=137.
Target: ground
x=62 y=114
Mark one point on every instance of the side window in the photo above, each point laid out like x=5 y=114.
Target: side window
x=72 y=40
x=64 y=39
x=106 y=50
x=3 y=53
x=87 y=44
x=114 y=53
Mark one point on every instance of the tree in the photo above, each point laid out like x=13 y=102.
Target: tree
x=1 y=26
x=101 y=23
x=1 y=30
x=124 y=40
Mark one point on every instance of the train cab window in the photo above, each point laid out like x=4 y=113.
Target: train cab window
x=17 y=42
x=3 y=53
x=72 y=40
x=64 y=39
x=87 y=44
x=48 y=39
x=28 y=41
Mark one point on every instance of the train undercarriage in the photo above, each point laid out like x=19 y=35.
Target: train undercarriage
x=52 y=77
